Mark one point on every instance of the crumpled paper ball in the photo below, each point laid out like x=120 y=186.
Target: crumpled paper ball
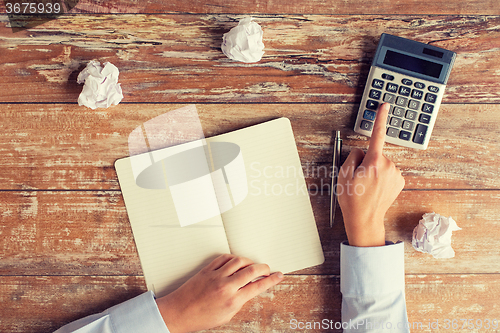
x=433 y=235
x=244 y=42
x=101 y=88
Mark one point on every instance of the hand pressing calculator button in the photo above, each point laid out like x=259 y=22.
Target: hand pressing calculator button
x=411 y=77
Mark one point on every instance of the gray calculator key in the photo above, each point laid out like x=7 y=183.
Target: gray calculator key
x=405 y=91
x=389 y=98
x=424 y=118
x=378 y=84
x=375 y=94
x=391 y=87
x=366 y=125
x=401 y=101
x=398 y=111
x=404 y=135
x=392 y=132
x=414 y=105
x=396 y=122
x=427 y=108
x=420 y=132
x=372 y=105
x=408 y=125
x=412 y=115
x=431 y=98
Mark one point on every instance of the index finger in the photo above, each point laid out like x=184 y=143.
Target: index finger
x=254 y=288
x=378 y=134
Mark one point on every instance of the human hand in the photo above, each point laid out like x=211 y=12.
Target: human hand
x=369 y=185
x=215 y=294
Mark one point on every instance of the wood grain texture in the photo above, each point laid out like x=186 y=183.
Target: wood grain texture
x=55 y=301
x=177 y=58
x=70 y=147
x=290 y=7
x=66 y=247
x=88 y=233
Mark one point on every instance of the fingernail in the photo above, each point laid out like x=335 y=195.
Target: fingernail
x=280 y=275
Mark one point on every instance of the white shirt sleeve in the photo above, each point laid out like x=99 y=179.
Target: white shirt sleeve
x=139 y=314
x=372 y=283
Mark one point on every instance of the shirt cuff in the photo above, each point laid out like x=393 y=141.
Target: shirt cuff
x=371 y=270
x=139 y=314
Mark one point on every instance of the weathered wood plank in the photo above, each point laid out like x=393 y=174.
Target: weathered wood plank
x=177 y=58
x=42 y=304
x=45 y=303
x=71 y=147
x=295 y=7
x=88 y=233
x=292 y=7
x=66 y=233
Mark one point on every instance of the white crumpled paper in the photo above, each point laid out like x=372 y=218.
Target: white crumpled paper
x=433 y=235
x=244 y=42
x=101 y=88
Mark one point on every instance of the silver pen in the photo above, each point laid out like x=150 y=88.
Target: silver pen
x=337 y=150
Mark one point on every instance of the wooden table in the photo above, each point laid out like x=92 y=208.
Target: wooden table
x=66 y=245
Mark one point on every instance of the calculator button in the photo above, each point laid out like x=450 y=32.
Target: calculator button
x=419 y=85
x=405 y=91
x=375 y=94
x=407 y=82
x=378 y=84
x=414 y=105
x=412 y=115
x=388 y=77
x=417 y=94
x=372 y=105
x=398 y=111
x=392 y=132
x=433 y=89
x=424 y=118
x=396 y=122
x=404 y=135
x=389 y=98
x=408 y=125
x=391 y=87
x=370 y=115
x=427 y=108
x=366 y=125
x=401 y=101
x=420 y=132
x=431 y=98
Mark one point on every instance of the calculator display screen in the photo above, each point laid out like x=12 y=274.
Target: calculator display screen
x=413 y=64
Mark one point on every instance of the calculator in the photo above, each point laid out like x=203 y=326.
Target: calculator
x=411 y=77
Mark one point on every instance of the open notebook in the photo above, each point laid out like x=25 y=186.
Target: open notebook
x=262 y=211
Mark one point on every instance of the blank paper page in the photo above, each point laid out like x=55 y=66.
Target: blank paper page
x=274 y=224
x=169 y=253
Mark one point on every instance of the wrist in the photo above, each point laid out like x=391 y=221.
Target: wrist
x=168 y=314
x=366 y=234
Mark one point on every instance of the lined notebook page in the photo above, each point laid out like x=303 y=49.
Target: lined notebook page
x=169 y=253
x=274 y=224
